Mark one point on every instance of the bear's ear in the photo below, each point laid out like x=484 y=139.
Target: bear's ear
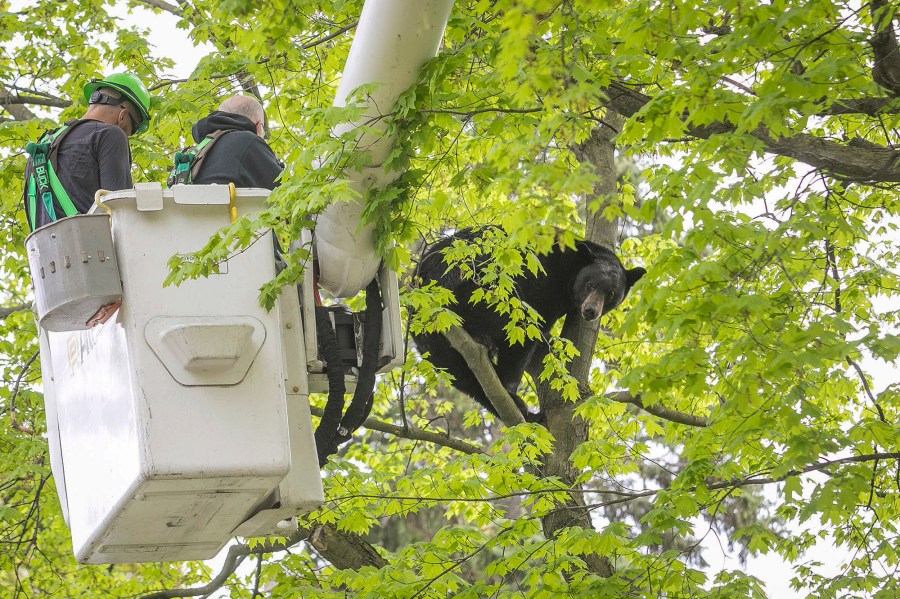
x=588 y=250
x=633 y=275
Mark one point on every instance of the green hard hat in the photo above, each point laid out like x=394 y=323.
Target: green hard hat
x=131 y=87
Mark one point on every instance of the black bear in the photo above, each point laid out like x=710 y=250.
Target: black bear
x=588 y=281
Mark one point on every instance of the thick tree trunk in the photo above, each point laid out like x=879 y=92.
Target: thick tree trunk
x=568 y=430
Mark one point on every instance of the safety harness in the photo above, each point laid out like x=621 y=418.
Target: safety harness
x=189 y=160
x=41 y=180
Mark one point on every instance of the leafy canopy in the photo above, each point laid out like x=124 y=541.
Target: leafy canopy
x=757 y=185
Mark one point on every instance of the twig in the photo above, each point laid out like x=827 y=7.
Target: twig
x=236 y=554
x=658 y=410
x=473 y=112
x=414 y=433
x=866 y=387
x=12 y=400
x=329 y=37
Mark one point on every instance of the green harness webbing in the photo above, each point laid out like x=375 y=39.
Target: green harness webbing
x=43 y=180
x=188 y=161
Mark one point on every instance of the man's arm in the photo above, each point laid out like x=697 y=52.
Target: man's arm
x=114 y=159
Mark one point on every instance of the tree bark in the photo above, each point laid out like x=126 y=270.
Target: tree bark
x=16 y=110
x=870 y=163
x=886 y=66
x=476 y=357
x=568 y=430
x=344 y=550
x=7 y=310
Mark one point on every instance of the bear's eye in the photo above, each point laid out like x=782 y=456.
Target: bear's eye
x=612 y=300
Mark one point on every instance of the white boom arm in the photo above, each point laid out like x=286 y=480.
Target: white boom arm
x=393 y=40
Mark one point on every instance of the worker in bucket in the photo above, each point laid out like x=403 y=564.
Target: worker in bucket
x=69 y=164
x=229 y=148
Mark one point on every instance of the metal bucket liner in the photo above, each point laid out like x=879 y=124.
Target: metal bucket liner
x=74 y=271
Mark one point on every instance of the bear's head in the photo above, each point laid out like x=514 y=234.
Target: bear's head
x=602 y=283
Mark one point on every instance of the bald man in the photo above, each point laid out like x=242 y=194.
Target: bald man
x=240 y=156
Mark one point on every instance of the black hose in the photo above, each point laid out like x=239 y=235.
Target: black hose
x=334 y=368
x=363 y=396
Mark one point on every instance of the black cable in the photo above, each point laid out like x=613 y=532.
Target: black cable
x=363 y=396
x=334 y=368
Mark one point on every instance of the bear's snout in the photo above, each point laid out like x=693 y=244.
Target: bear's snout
x=592 y=307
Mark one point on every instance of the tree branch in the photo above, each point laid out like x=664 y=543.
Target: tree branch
x=477 y=111
x=8 y=99
x=162 y=5
x=257 y=577
x=168 y=82
x=330 y=36
x=752 y=480
x=716 y=484
x=478 y=360
x=867 y=164
x=867 y=106
x=18 y=112
x=236 y=554
x=658 y=410
x=7 y=310
x=414 y=433
x=13 y=421
x=344 y=551
x=817 y=467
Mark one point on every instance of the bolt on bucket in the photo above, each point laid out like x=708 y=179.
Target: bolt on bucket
x=74 y=271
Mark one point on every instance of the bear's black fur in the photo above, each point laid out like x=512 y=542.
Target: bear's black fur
x=588 y=281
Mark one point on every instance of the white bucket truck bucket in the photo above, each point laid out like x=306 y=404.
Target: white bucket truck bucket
x=183 y=420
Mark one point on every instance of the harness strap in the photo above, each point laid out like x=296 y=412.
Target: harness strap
x=189 y=160
x=32 y=205
x=43 y=179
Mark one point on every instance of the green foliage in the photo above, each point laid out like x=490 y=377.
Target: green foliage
x=770 y=300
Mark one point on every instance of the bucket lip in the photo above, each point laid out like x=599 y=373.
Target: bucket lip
x=128 y=197
x=124 y=194
x=41 y=231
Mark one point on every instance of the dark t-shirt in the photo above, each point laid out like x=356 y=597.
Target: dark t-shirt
x=92 y=156
x=240 y=157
